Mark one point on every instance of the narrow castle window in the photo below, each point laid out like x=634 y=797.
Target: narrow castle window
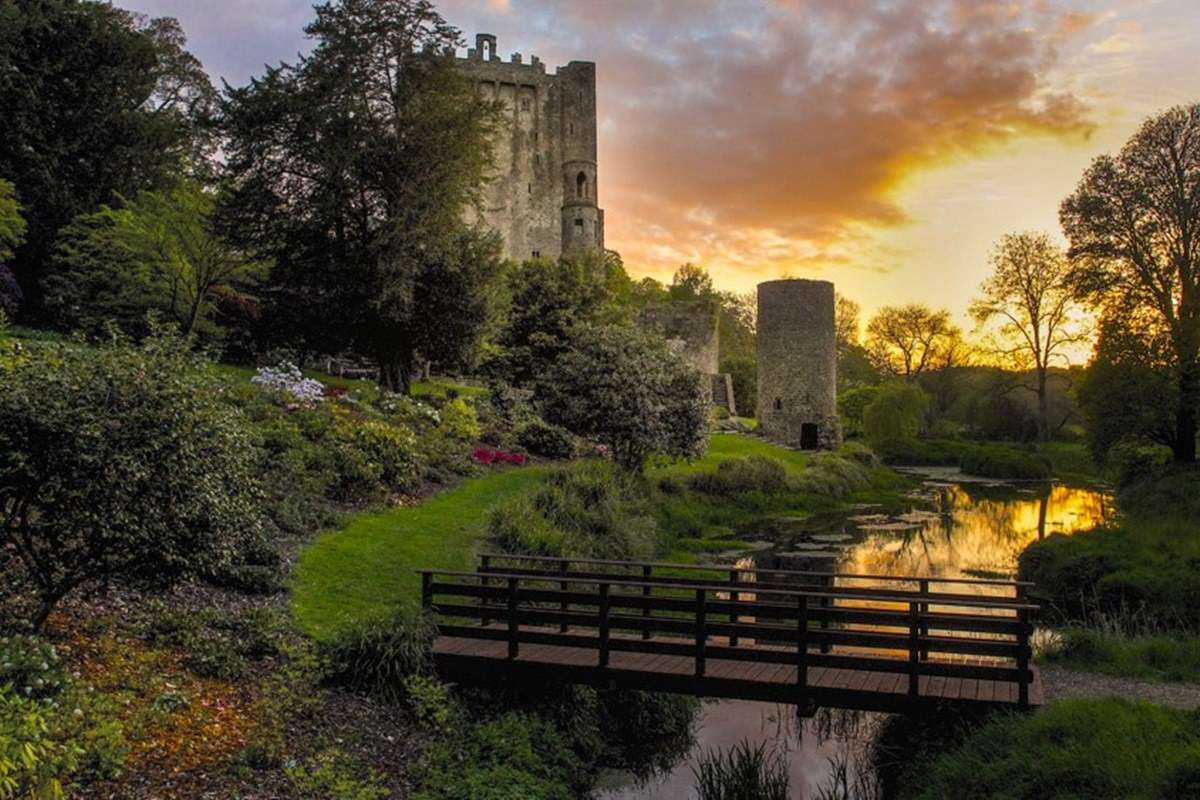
x=579 y=224
x=778 y=404
x=537 y=253
x=571 y=128
x=525 y=105
x=487 y=51
x=581 y=185
x=531 y=190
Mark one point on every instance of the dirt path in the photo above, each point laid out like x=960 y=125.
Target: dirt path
x=1063 y=683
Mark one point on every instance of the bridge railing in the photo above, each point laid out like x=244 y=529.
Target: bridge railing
x=912 y=633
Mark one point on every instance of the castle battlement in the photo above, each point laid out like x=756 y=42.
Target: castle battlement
x=544 y=196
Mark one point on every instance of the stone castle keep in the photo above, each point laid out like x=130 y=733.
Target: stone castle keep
x=543 y=198
x=797 y=364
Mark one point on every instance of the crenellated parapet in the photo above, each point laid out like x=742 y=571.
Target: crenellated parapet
x=544 y=195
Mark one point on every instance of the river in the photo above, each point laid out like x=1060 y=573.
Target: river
x=958 y=527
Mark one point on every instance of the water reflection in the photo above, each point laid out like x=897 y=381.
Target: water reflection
x=969 y=531
x=960 y=530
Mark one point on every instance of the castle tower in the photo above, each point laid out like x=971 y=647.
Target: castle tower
x=543 y=197
x=797 y=364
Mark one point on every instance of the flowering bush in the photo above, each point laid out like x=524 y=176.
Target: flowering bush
x=30 y=666
x=286 y=379
x=487 y=456
x=393 y=448
x=460 y=421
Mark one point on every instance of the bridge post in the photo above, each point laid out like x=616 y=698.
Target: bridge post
x=513 y=629
x=604 y=625
x=701 y=630
x=827 y=583
x=802 y=641
x=485 y=563
x=734 y=597
x=426 y=590
x=646 y=570
x=924 y=610
x=1023 y=652
x=564 y=607
x=914 y=649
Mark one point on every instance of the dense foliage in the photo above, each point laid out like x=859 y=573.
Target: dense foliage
x=1100 y=749
x=590 y=509
x=1134 y=225
x=896 y=413
x=627 y=390
x=118 y=462
x=155 y=251
x=97 y=101
x=372 y=236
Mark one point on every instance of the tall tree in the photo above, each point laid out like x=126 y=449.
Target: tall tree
x=1030 y=296
x=160 y=247
x=96 y=101
x=353 y=169
x=1134 y=228
x=12 y=233
x=908 y=341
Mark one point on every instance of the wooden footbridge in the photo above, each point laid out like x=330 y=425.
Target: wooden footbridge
x=864 y=642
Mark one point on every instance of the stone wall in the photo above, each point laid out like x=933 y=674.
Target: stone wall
x=797 y=364
x=693 y=326
x=543 y=196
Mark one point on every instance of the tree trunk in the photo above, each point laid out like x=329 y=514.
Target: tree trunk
x=1185 y=415
x=1043 y=407
x=395 y=370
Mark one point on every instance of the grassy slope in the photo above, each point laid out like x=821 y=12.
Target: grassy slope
x=729 y=445
x=367 y=567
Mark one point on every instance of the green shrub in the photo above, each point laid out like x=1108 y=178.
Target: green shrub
x=52 y=746
x=897 y=413
x=740 y=475
x=1004 y=463
x=1173 y=491
x=626 y=389
x=376 y=656
x=1139 y=567
x=830 y=475
x=393 y=448
x=119 y=463
x=459 y=420
x=548 y=441
x=1136 y=461
x=334 y=775
x=852 y=406
x=590 y=509
x=746 y=772
x=513 y=757
x=1096 y=749
x=31 y=667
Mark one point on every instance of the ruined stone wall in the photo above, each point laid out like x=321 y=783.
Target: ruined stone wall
x=543 y=198
x=693 y=326
x=797 y=363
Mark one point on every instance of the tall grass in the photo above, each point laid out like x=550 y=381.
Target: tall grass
x=745 y=772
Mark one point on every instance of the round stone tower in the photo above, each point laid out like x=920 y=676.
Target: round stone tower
x=797 y=364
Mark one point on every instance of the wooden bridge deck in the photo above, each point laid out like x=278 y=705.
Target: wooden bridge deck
x=875 y=649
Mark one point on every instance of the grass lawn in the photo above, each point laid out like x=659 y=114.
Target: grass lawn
x=1167 y=658
x=728 y=445
x=367 y=567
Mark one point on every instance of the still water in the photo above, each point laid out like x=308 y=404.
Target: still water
x=956 y=529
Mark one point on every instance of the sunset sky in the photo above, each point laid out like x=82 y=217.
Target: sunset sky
x=881 y=145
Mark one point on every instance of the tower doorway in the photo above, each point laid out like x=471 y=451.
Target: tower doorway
x=810 y=436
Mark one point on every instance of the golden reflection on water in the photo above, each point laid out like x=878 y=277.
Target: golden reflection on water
x=977 y=536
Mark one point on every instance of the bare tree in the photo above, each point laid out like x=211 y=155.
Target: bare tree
x=908 y=341
x=1134 y=228
x=846 y=315
x=1030 y=296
